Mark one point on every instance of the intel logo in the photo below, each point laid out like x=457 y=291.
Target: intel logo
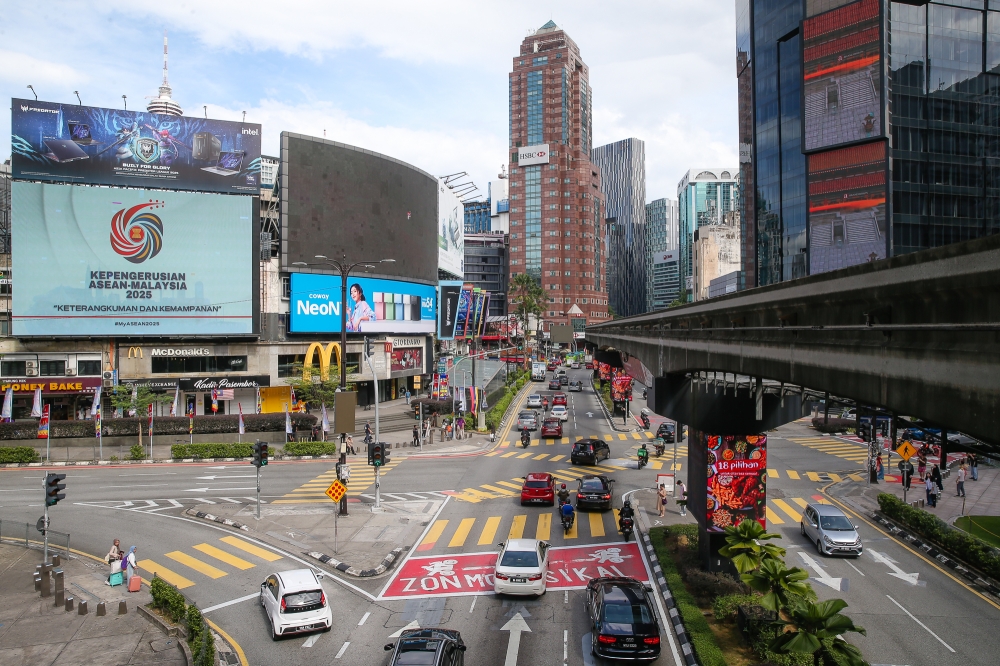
x=251 y=132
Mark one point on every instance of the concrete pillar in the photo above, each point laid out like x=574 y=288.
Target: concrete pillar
x=102 y=609
x=122 y=607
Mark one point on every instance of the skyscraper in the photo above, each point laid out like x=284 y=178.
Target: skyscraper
x=164 y=103
x=661 y=236
x=623 y=181
x=704 y=196
x=556 y=205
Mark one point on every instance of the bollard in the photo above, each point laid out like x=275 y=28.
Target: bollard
x=44 y=583
x=60 y=598
x=102 y=609
x=69 y=603
x=56 y=560
x=38 y=583
x=122 y=608
x=82 y=608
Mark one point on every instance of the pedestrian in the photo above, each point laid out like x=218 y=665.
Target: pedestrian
x=661 y=495
x=460 y=423
x=368 y=431
x=937 y=478
x=974 y=466
x=929 y=487
x=921 y=465
x=350 y=445
x=682 y=497
x=114 y=559
x=960 y=482
x=880 y=468
x=407 y=396
x=129 y=565
x=416 y=435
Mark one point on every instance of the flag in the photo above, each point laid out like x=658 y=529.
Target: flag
x=135 y=394
x=97 y=423
x=293 y=399
x=36 y=406
x=8 y=403
x=175 y=408
x=149 y=410
x=326 y=420
x=95 y=406
x=43 y=424
x=288 y=422
x=227 y=394
x=258 y=400
x=191 y=423
x=242 y=429
x=215 y=401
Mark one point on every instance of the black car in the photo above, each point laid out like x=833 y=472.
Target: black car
x=428 y=647
x=589 y=452
x=563 y=380
x=667 y=431
x=554 y=385
x=595 y=492
x=623 y=624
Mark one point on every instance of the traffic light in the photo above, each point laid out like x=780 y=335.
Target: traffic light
x=377 y=453
x=263 y=454
x=52 y=488
x=385 y=455
x=371 y=453
x=259 y=454
x=369 y=347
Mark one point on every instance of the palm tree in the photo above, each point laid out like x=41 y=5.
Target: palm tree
x=817 y=629
x=527 y=298
x=778 y=584
x=744 y=546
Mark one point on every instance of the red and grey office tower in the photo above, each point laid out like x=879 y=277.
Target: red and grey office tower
x=556 y=205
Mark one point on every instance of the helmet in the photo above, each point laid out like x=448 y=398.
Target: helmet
x=627 y=504
x=563 y=486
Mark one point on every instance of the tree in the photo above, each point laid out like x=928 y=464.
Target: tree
x=778 y=584
x=122 y=398
x=314 y=391
x=744 y=546
x=611 y=313
x=527 y=298
x=817 y=629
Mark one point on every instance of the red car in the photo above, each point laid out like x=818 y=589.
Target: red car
x=590 y=366
x=551 y=366
x=552 y=427
x=538 y=487
x=558 y=399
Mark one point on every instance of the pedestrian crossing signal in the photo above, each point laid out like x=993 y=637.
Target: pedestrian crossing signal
x=52 y=488
x=260 y=453
x=263 y=454
x=377 y=452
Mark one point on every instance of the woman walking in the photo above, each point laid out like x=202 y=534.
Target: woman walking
x=114 y=559
x=661 y=496
x=128 y=565
x=929 y=487
x=682 y=497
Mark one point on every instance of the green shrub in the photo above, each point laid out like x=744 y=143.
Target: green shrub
x=724 y=607
x=311 y=448
x=706 y=585
x=137 y=452
x=17 y=454
x=203 y=651
x=834 y=424
x=168 y=599
x=195 y=625
x=212 y=450
x=164 y=425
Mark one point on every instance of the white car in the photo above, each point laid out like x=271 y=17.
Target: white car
x=295 y=603
x=575 y=366
x=521 y=567
x=561 y=412
x=534 y=400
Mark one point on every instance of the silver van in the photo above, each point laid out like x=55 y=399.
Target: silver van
x=833 y=533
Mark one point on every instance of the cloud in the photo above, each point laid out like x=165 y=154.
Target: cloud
x=18 y=67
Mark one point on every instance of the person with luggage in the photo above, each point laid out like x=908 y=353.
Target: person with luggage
x=114 y=559
x=129 y=567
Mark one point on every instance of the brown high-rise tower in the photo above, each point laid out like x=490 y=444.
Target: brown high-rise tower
x=556 y=205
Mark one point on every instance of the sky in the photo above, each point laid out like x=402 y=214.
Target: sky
x=423 y=82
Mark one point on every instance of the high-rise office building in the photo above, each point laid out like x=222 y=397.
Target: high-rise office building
x=500 y=205
x=666 y=279
x=556 y=205
x=704 y=197
x=486 y=267
x=477 y=216
x=623 y=181
x=661 y=235
x=873 y=129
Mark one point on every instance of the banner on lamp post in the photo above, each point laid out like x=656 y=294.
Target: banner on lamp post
x=36 y=405
x=43 y=424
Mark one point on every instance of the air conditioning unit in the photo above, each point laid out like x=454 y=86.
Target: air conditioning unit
x=107 y=383
x=70 y=372
x=108 y=376
x=31 y=368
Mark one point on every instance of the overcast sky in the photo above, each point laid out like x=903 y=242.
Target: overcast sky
x=425 y=82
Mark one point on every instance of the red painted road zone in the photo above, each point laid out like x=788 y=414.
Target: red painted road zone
x=569 y=568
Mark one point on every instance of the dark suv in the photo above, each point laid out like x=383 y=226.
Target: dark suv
x=595 y=492
x=623 y=623
x=667 y=431
x=589 y=452
x=430 y=647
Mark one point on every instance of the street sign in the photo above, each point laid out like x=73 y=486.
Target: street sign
x=40 y=525
x=336 y=491
x=906 y=450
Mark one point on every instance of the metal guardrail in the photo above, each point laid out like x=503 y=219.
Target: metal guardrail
x=27 y=534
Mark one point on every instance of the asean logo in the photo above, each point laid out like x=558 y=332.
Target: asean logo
x=136 y=235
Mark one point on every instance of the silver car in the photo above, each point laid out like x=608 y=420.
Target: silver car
x=833 y=533
x=534 y=400
x=527 y=420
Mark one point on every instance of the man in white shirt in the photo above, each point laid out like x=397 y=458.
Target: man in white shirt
x=960 y=481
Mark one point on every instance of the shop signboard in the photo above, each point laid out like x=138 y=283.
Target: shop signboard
x=224 y=383
x=407 y=359
x=737 y=479
x=51 y=385
x=374 y=305
x=85 y=144
x=152 y=383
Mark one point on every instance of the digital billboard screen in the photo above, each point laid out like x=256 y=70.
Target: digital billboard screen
x=103 y=261
x=737 y=480
x=451 y=232
x=842 y=76
x=466 y=301
x=373 y=305
x=338 y=200
x=86 y=144
x=448 y=296
x=847 y=206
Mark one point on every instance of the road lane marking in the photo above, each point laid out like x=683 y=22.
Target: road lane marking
x=813 y=476
x=773 y=517
x=565 y=440
x=792 y=513
x=801 y=502
x=309 y=642
x=773 y=473
x=517 y=527
x=508 y=484
x=363 y=619
x=473 y=606
x=541 y=456
x=343 y=649
x=265 y=555
x=833 y=477
x=201 y=567
x=856 y=569
x=462 y=533
x=608 y=438
x=508 y=455
x=223 y=556
x=175 y=579
x=231 y=602
x=596 y=524
x=525 y=455
x=792 y=474
x=543 y=532
x=435 y=533
x=950 y=649
x=499 y=491
x=489 y=532
x=622 y=436
x=556 y=458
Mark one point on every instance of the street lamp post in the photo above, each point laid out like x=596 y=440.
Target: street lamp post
x=344 y=269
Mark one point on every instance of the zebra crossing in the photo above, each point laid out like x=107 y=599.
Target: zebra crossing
x=552 y=441
x=835 y=447
x=209 y=560
x=313 y=491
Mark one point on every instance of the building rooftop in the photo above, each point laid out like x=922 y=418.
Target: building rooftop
x=548 y=27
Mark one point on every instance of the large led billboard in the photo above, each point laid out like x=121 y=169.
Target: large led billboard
x=85 y=144
x=449 y=293
x=847 y=206
x=737 y=480
x=451 y=232
x=98 y=261
x=373 y=305
x=341 y=201
x=842 y=76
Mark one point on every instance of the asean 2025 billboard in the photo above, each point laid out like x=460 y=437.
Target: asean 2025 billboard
x=98 y=261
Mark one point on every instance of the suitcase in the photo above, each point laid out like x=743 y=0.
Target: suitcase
x=134 y=583
x=116 y=579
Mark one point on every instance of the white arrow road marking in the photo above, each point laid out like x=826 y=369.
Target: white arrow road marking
x=910 y=578
x=311 y=641
x=515 y=626
x=213 y=478
x=839 y=584
x=590 y=414
x=411 y=625
x=203 y=490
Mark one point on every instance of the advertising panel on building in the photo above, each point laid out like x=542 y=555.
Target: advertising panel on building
x=121 y=262
x=342 y=201
x=449 y=293
x=737 y=478
x=664 y=257
x=847 y=206
x=373 y=305
x=85 y=144
x=842 y=70
x=451 y=232
x=530 y=155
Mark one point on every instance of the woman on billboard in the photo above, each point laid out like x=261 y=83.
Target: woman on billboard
x=361 y=310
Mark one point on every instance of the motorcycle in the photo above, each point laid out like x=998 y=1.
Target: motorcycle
x=658 y=447
x=525 y=438
x=626 y=527
x=567 y=522
x=645 y=421
x=643 y=460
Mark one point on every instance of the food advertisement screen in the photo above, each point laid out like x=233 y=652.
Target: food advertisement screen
x=842 y=76
x=737 y=480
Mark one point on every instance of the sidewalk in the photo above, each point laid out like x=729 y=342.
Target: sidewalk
x=34 y=631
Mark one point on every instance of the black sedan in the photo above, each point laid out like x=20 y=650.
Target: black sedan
x=595 y=492
x=563 y=380
x=623 y=624
x=428 y=647
x=589 y=452
x=667 y=431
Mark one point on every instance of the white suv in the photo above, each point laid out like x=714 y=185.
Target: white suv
x=295 y=602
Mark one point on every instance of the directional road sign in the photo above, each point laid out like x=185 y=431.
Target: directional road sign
x=906 y=450
x=336 y=491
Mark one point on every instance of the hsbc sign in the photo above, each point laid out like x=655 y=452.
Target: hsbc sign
x=530 y=155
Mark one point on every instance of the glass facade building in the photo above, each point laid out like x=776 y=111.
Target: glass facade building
x=477 y=216
x=661 y=235
x=486 y=267
x=704 y=196
x=623 y=182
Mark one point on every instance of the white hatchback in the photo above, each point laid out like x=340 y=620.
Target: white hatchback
x=561 y=412
x=295 y=603
x=521 y=567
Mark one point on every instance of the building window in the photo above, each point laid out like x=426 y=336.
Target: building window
x=287 y=363
x=88 y=368
x=286 y=287
x=14 y=368
x=198 y=364
x=52 y=368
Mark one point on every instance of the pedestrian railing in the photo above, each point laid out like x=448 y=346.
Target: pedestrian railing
x=28 y=534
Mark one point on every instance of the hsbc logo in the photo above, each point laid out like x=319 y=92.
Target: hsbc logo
x=530 y=155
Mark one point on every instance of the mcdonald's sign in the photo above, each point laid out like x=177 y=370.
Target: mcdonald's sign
x=325 y=354
x=135 y=351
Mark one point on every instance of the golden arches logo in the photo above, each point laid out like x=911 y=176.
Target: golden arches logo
x=325 y=354
x=135 y=351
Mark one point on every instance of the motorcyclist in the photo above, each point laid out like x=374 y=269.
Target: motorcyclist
x=644 y=394
x=645 y=420
x=545 y=403
x=626 y=512
x=525 y=436
x=567 y=513
x=660 y=445
x=643 y=453
x=563 y=494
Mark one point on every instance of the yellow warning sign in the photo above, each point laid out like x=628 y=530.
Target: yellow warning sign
x=336 y=491
x=906 y=450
